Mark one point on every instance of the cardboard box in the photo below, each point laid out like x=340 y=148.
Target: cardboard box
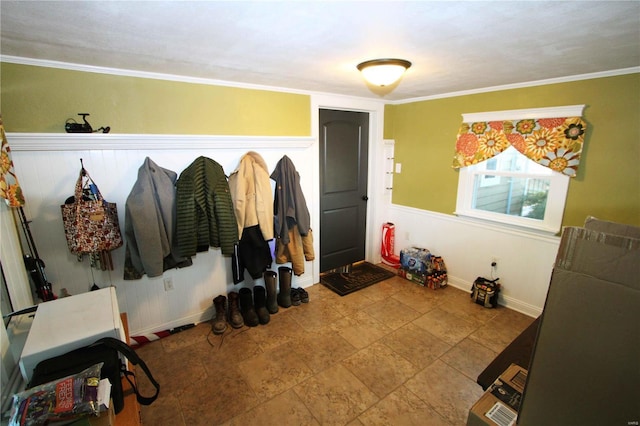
x=500 y=403
x=584 y=367
x=614 y=228
x=412 y=276
x=433 y=280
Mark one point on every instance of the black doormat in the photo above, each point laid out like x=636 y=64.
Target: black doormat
x=362 y=275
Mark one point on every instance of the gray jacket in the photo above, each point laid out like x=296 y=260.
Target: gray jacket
x=290 y=207
x=150 y=221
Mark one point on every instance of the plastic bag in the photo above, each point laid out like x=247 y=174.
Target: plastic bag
x=64 y=399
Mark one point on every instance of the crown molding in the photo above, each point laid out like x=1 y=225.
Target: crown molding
x=567 y=79
x=196 y=80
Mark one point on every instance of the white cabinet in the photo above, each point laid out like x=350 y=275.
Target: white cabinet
x=69 y=323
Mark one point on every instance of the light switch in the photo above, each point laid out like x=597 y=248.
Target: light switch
x=398 y=168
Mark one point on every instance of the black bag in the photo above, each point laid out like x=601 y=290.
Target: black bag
x=105 y=350
x=484 y=292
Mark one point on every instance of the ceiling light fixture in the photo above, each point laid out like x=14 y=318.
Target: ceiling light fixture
x=383 y=72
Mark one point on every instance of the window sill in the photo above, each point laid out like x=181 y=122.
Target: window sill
x=511 y=228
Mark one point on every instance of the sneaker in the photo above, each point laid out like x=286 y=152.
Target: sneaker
x=304 y=296
x=295 y=296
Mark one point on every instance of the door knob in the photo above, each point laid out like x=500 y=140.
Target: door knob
x=365 y=198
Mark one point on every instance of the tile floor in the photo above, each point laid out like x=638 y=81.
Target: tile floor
x=394 y=353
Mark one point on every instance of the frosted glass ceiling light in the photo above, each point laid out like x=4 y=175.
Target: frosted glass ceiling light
x=383 y=72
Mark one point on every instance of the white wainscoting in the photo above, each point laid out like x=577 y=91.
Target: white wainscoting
x=525 y=259
x=48 y=167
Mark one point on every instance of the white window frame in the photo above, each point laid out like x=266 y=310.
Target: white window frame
x=552 y=222
x=488 y=178
x=559 y=183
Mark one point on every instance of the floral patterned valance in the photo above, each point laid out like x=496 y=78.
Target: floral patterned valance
x=9 y=188
x=555 y=143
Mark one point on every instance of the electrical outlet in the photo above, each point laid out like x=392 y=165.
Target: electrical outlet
x=494 y=263
x=168 y=284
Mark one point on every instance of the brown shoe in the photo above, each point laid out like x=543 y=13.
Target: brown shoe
x=235 y=317
x=219 y=325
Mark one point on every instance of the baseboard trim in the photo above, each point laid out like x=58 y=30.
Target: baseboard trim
x=207 y=314
x=506 y=301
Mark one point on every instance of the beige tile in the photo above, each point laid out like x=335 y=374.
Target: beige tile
x=315 y=316
x=450 y=292
x=402 y=408
x=165 y=410
x=335 y=396
x=185 y=338
x=322 y=349
x=380 y=368
x=224 y=395
x=325 y=362
x=281 y=329
x=382 y=290
x=274 y=371
x=446 y=326
x=446 y=390
x=419 y=298
x=318 y=292
x=502 y=330
x=352 y=303
x=392 y=313
x=360 y=329
x=234 y=344
x=164 y=369
x=463 y=307
x=505 y=316
x=283 y=409
x=469 y=357
x=416 y=345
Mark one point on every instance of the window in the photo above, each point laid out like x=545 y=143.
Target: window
x=511 y=189
x=515 y=166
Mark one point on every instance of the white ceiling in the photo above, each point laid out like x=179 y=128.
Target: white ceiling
x=316 y=45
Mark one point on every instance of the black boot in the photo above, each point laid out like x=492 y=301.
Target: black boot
x=246 y=307
x=284 y=295
x=272 y=291
x=220 y=320
x=235 y=318
x=260 y=302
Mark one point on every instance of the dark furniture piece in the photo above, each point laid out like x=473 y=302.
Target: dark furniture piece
x=518 y=352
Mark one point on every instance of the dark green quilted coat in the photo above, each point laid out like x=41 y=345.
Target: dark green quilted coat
x=205 y=216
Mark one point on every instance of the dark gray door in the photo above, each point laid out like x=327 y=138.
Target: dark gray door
x=344 y=139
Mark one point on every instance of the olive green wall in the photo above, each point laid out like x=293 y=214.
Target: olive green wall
x=608 y=182
x=39 y=99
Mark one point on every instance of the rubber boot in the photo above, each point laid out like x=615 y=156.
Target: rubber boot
x=235 y=318
x=246 y=308
x=284 y=295
x=272 y=291
x=260 y=303
x=220 y=321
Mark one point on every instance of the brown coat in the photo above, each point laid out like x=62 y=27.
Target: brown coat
x=299 y=249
